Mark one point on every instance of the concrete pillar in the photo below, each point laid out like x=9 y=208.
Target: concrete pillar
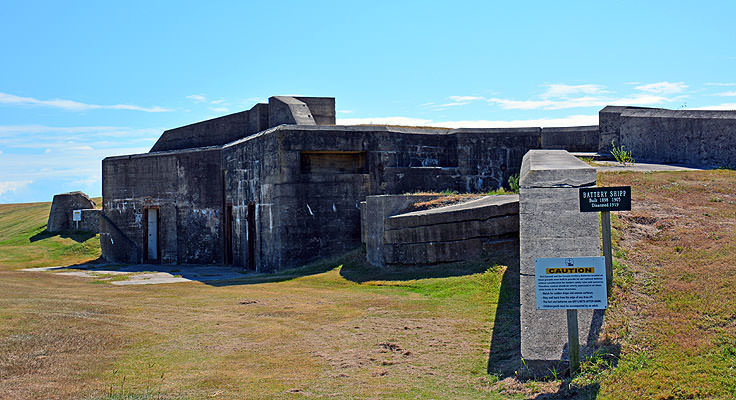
x=551 y=225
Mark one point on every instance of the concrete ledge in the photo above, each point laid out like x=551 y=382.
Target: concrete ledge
x=478 y=209
x=554 y=168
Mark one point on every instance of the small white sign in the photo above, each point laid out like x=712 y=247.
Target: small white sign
x=571 y=283
x=77 y=215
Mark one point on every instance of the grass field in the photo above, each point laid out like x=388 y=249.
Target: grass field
x=340 y=329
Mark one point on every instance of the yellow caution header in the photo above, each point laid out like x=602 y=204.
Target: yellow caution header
x=579 y=270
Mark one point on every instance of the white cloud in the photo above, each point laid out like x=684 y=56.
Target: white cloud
x=720 y=84
x=719 y=107
x=345 y=111
x=72 y=105
x=12 y=186
x=573 y=120
x=563 y=90
x=198 y=98
x=641 y=100
x=406 y=121
x=465 y=98
x=663 y=87
x=727 y=94
x=219 y=109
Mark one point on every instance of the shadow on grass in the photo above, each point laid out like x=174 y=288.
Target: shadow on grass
x=354 y=268
x=77 y=236
x=504 y=358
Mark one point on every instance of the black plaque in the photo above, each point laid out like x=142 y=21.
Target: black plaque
x=594 y=199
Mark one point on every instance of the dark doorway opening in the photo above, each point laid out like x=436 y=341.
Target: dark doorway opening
x=251 y=261
x=228 y=234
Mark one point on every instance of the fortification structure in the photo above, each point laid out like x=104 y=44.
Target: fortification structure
x=280 y=185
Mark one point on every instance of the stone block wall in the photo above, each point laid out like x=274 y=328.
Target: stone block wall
x=551 y=225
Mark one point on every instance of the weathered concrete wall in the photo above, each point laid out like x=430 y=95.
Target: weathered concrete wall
x=90 y=220
x=377 y=209
x=186 y=188
x=62 y=207
x=698 y=138
x=573 y=138
x=551 y=225
x=480 y=229
x=609 y=124
x=252 y=177
x=288 y=110
x=213 y=132
x=307 y=182
x=229 y=128
x=321 y=108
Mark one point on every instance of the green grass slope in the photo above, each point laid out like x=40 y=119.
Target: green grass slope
x=24 y=242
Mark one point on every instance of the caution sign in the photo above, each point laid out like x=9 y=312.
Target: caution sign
x=571 y=283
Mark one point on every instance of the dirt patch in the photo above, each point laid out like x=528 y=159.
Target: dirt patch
x=443 y=201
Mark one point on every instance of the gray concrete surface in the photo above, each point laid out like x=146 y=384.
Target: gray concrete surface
x=147 y=274
x=551 y=225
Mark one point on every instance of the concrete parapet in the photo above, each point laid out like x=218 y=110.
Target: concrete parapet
x=551 y=225
x=484 y=228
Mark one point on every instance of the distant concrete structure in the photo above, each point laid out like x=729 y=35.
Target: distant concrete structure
x=699 y=138
x=61 y=216
x=551 y=225
x=485 y=228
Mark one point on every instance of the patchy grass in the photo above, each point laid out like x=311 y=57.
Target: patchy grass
x=673 y=310
x=340 y=328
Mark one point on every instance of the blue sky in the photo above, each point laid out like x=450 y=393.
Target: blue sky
x=80 y=81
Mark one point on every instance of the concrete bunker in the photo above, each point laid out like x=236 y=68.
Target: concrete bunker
x=280 y=185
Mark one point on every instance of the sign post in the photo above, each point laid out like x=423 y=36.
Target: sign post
x=605 y=200
x=571 y=284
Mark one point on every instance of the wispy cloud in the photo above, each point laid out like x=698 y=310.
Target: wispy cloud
x=720 y=107
x=456 y=101
x=573 y=120
x=562 y=96
x=219 y=109
x=562 y=90
x=465 y=98
x=71 y=105
x=197 y=98
x=720 y=84
x=727 y=94
x=663 y=87
x=12 y=186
